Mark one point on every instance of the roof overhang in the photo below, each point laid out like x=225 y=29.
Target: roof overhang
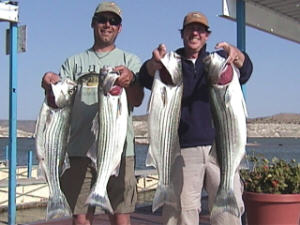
x=9 y=11
x=281 y=18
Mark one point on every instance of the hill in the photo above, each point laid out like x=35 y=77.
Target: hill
x=278 y=118
x=283 y=125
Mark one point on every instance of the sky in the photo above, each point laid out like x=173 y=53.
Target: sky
x=58 y=29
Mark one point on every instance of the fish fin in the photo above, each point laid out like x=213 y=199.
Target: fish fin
x=165 y=194
x=227 y=97
x=164 y=96
x=57 y=90
x=225 y=202
x=41 y=169
x=150 y=159
x=65 y=165
x=119 y=105
x=96 y=199
x=115 y=172
x=156 y=76
x=95 y=125
x=58 y=207
x=244 y=107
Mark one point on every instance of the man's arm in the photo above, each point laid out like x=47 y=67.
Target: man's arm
x=148 y=69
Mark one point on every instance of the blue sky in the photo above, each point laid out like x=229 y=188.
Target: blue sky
x=58 y=29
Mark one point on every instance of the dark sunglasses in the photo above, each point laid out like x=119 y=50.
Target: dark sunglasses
x=115 y=21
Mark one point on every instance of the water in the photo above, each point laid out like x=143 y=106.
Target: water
x=283 y=148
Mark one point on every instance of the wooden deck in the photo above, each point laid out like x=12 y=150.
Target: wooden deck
x=142 y=216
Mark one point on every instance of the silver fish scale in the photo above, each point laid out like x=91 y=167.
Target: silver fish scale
x=57 y=136
x=229 y=117
x=113 y=115
x=168 y=130
x=163 y=122
x=52 y=131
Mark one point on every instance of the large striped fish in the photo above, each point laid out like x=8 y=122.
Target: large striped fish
x=229 y=116
x=51 y=135
x=163 y=122
x=113 y=114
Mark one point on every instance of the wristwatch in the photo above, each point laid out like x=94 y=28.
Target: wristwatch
x=133 y=80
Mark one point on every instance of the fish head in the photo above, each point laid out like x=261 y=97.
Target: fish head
x=107 y=80
x=219 y=72
x=103 y=73
x=172 y=69
x=64 y=92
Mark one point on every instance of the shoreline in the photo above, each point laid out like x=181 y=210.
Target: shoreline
x=254 y=130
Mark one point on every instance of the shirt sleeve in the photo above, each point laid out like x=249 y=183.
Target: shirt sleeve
x=133 y=63
x=246 y=69
x=66 y=70
x=144 y=77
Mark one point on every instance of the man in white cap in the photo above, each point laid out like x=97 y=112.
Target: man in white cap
x=77 y=181
x=196 y=169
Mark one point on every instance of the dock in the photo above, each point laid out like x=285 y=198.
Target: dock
x=32 y=194
x=142 y=216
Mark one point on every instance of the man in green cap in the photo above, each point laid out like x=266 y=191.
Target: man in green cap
x=77 y=181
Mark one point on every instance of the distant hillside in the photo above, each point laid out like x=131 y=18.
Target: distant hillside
x=278 y=118
x=24 y=125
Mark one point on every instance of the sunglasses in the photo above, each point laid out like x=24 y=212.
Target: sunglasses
x=115 y=21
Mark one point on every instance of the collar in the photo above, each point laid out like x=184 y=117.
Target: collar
x=201 y=54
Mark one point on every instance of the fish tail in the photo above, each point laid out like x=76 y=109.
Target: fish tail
x=225 y=202
x=58 y=207
x=165 y=194
x=97 y=199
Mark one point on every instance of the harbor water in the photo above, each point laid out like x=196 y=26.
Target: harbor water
x=283 y=148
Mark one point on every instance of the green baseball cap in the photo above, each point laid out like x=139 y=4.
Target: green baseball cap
x=108 y=7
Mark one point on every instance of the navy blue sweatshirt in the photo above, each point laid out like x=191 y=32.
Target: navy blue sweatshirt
x=196 y=126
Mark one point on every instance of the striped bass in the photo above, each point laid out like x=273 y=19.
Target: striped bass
x=51 y=136
x=113 y=114
x=229 y=116
x=163 y=122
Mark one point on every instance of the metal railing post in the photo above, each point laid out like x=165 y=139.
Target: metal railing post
x=12 y=123
x=241 y=30
x=29 y=164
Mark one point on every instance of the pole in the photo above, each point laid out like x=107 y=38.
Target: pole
x=29 y=164
x=12 y=123
x=6 y=154
x=241 y=29
x=241 y=44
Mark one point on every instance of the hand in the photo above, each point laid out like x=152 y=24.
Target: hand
x=235 y=56
x=125 y=77
x=48 y=79
x=154 y=63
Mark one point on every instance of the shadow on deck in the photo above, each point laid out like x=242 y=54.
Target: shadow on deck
x=142 y=216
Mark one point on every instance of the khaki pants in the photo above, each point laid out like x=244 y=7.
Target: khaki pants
x=194 y=170
x=77 y=181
